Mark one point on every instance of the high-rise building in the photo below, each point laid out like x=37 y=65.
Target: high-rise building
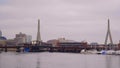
x=20 y=38
x=29 y=39
x=23 y=38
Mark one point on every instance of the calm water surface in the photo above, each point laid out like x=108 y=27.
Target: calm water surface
x=57 y=60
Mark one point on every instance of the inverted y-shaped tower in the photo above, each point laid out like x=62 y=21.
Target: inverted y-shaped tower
x=108 y=35
x=38 y=33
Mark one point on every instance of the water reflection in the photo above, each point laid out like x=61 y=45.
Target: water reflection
x=108 y=61
x=57 y=60
x=119 y=61
x=18 y=61
x=38 y=62
x=112 y=61
x=0 y=61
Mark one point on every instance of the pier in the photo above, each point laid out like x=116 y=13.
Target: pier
x=49 y=48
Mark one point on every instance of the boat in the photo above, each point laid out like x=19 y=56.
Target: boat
x=103 y=52
x=117 y=52
x=110 y=52
x=83 y=51
x=94 y=51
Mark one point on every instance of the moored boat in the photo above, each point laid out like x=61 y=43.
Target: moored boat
x=117 y=52
x=110 y=52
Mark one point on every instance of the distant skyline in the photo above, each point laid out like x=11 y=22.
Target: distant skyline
x=79 y=20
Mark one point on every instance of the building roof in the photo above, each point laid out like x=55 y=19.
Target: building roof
x=3 y=38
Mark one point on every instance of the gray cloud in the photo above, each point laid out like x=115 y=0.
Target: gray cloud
x=74 y=19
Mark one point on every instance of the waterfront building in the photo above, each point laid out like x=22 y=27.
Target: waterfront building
x=54 y=42
x=11 y=42
x=20 y=38
x=65 y=40
x=62 y=42
x=2 y=42
x=28 y=39
x=23 y=38
x=94 y=44
x=2 y=37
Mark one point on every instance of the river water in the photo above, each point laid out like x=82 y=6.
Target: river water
x=57 y=60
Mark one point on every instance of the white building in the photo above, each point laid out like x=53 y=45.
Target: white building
x=23 y=38
x=29 y=39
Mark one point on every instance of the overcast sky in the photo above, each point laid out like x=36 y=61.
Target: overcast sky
x=73 y=19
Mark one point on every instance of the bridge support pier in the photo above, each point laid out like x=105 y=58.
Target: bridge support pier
x=6 y=48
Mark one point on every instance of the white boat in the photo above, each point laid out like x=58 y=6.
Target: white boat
x=94 y=51
x=83 y=51
x=117 y=52
x=110 y=52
